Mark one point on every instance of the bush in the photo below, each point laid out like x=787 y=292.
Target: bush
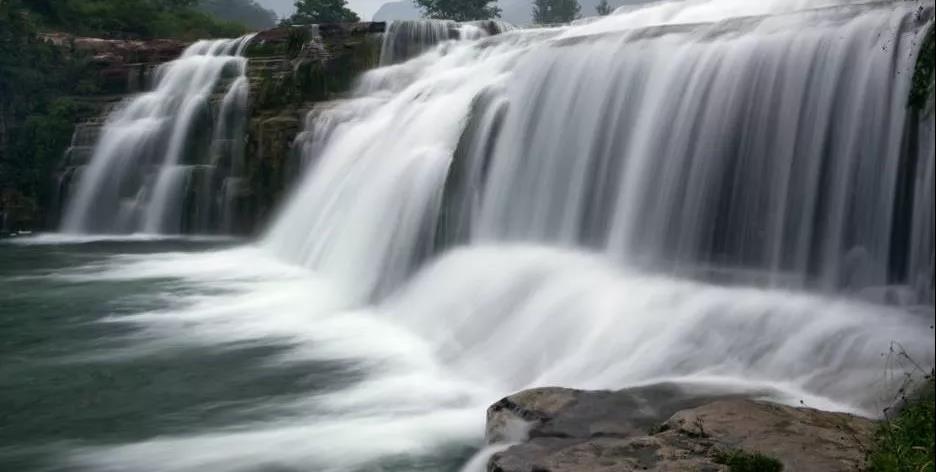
x=141 y=19
x=741 y=461
x=905 y=442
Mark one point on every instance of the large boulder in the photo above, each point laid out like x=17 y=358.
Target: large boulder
x=564 y=430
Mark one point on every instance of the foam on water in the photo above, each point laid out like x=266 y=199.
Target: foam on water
x=501 y=318
x=544 y=282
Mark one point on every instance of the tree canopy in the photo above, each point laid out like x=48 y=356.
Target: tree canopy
x=555 y=11
x=322 y=11
x=459 y=10
x=603 y=8
x=138 y=19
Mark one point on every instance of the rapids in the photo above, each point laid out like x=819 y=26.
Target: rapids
x=725 y=194
x=153 y=147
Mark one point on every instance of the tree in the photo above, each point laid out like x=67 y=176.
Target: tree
x=603 y=8
x=133 y=19
x=547 y=12
x=322 y=11
x=459 y=10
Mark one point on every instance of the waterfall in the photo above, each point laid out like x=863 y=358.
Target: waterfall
x=731 y=195
x=761 y=148
x=157 y=146
x=406 y=39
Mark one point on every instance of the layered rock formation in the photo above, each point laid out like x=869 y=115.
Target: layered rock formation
x=118 y=66
x=563 y=430
x=104 y=72
x=291 y=70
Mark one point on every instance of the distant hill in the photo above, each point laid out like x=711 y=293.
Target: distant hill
x=245 y=12
x=283 y=8
x=401 y=10
x=518 y=12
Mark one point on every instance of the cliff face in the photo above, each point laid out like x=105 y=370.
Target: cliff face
x=90 y=76
x=291 y=70
x=113 y=70
x=118 y=66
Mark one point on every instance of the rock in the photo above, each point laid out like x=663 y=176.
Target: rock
x=576 y=431
x=122 y=66
x=568 y=413
x=803 y=439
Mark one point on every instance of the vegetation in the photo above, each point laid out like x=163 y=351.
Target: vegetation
x=35 y=119
x=322 y=11
x=37 y=78
x=459 y=10
x=905 y=442
x=547 y=12
x=924 y=74
x=132 y=19
x=603 y=8
x=741 y=461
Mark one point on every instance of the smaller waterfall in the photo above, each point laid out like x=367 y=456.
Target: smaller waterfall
x=161 y=153
x=407 y=39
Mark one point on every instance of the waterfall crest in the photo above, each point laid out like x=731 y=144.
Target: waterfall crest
x=158 y=146
x=764 y=148
x=408 y=38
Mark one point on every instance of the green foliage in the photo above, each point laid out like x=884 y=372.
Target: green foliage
x=36 y=122
x=246 y=12
x=459 y=10
x=741 y=461
x=603 y=8
x=547 y=12
x=309 y=12
x=130 y=18
x=905 y=442
x=295 y=41
x=40 y=144
x=924 y=74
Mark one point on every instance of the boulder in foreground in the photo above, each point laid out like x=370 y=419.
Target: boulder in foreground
x=564 y=430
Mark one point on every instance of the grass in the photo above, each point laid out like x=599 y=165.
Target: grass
x=743 y=461
x=904 y=443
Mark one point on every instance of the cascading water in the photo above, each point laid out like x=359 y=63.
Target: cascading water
x=746 y=146
x=562 y=206
x=158 y=145
x=407 y=39
x=767 y=150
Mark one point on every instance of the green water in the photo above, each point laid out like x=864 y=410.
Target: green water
x=69 y=378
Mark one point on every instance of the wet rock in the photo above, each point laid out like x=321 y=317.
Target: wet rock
x=564 y=430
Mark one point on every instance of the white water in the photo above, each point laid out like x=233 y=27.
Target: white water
x=149 y=147
x=554 y=207
x=407 y=39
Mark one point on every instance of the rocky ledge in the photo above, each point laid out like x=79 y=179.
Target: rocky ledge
x=121 y=66
x=564 y=430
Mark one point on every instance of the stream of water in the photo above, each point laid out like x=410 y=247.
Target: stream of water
x=723 y=194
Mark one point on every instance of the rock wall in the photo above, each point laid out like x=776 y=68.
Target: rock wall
x=99 y=73
x=291 y=69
